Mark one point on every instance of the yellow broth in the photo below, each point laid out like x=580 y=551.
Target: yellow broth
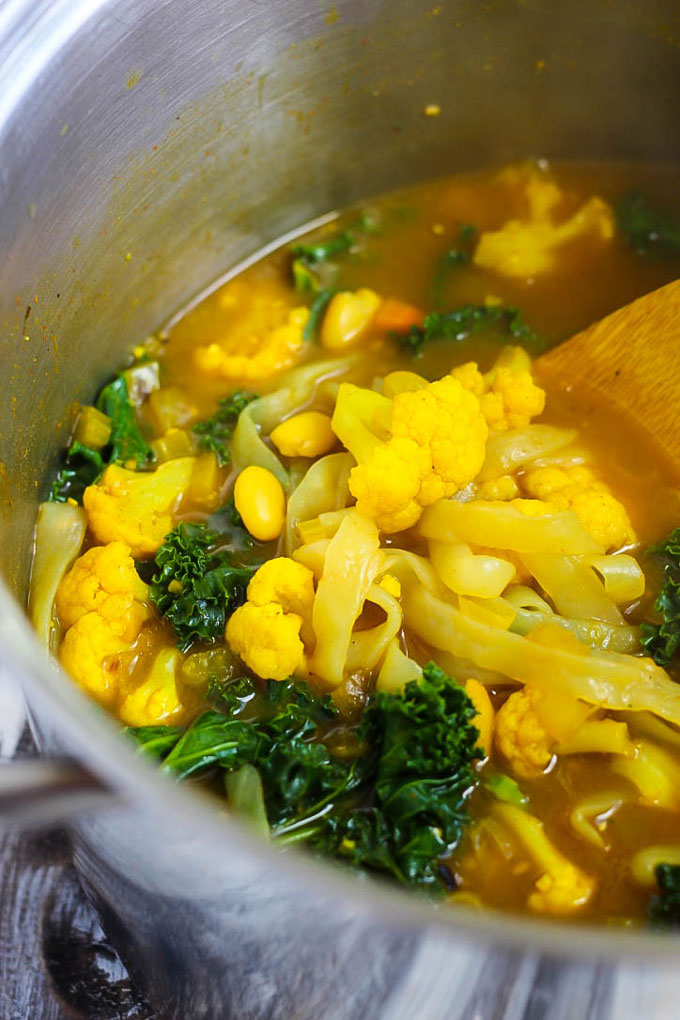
x=399 y=258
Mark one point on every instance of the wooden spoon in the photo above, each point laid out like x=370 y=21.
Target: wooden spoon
x=632 y=359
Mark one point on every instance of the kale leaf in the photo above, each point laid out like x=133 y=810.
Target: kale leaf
x=194 y=588
x=647 y=228
x=214 y=434
x=397 y=804
x=459 y=323
x=126 y=441
x=81 y=467
x=662 y=640
x=664 y=907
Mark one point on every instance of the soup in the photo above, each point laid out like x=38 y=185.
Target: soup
x=331 y=546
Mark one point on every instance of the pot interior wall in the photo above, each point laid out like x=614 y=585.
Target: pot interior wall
x=159 y=144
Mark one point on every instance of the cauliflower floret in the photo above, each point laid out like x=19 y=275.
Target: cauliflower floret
x=258 y=355
x=265 y=631
x=104 y=580
x=526 y=247
x=576 y=488
x=561 y=887
x=412 y=450
x=444 y=420
x=560 y=891
x=90 y=652
x=508 y=396
x=156 y=701
x=285 y=582
x=499 y=489
x=137 y=508
x=521 y=737
x=386 y=486
x=267 y=639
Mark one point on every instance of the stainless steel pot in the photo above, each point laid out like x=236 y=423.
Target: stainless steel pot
x=145 y=146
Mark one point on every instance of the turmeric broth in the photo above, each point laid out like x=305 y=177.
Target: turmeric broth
x=332 y=544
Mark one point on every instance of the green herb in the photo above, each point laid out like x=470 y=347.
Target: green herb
x=397 y=805
x=308 y=258
x=451 y=259
x=506 y=789
x=662 y=640
x=82 y=466
x=648 y=228
x=214 y=434
x=316 y=314
x=664 y=907
x=195 y=588
x=320 y=251
x=126 y=441
x=458 y=324
x=156 y=741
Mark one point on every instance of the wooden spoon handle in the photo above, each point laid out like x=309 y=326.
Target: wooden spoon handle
x=632 y=358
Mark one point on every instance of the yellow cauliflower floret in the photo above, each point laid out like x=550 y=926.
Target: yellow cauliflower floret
x=444 y=420
x=526 y=247
x=285 y=582
x=258 y=355
x=267 y=639
x=104 y=580
x=507 y=395
x=90 y=653
x=562 y=890
x=420 y=446
x=561 y=887
x=499 y=489
x=577 y=488
x=386 y=486
x=521 y=737
x=156 y=701
x=137 y=508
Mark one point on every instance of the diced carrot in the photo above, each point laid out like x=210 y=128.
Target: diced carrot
x=397 y=316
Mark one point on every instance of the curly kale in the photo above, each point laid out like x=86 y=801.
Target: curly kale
x=457 y=324
x=195 y=588
x=649 y=229
x=214 y=434
x=664 y=907
x=662 y=640
x=394 y=802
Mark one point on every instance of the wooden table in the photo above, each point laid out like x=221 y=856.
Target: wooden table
x=55 y=961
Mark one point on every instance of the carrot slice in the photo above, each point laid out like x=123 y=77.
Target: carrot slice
x=397 y=316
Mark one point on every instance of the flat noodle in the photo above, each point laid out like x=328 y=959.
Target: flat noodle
x=368 y=647
x=353 y=560
x=264 y=414
x=468 y=573
x=644 y=863
x=606 y=679
x=501 y=526
x=397 y=670
x=573 y=586
x=508 y=451
x=324 y=487
x=59 y=536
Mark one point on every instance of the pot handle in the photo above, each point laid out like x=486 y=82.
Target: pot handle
x=40 y=792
